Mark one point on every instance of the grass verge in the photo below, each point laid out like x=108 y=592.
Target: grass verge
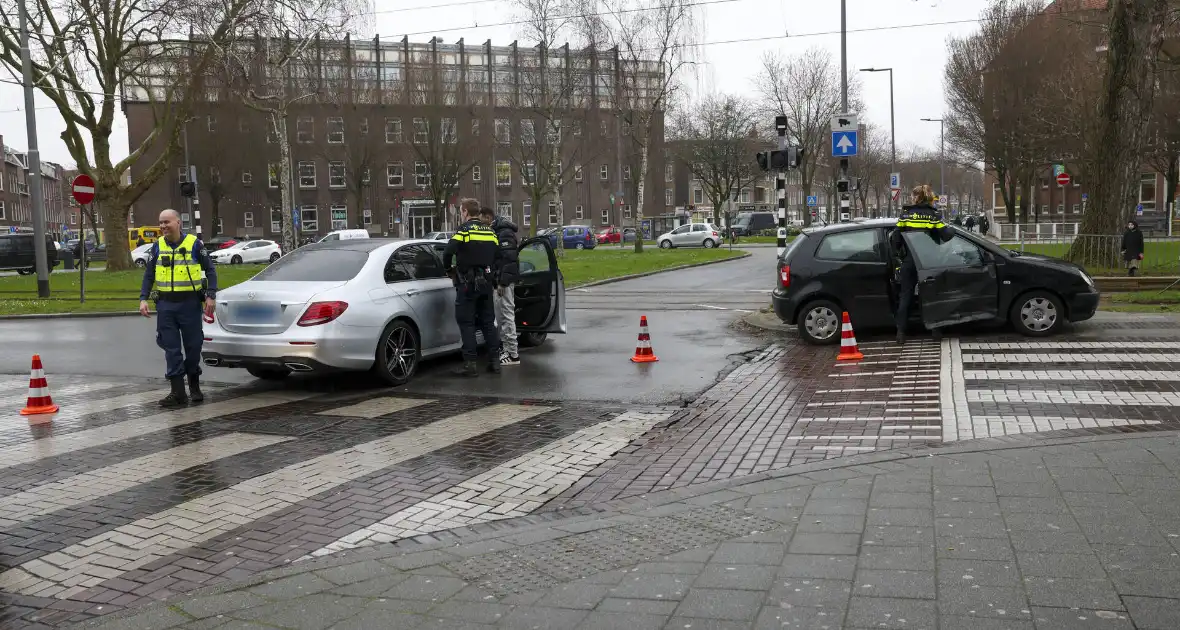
x=1161 y=258
x=119 y=290
x=1142 y=302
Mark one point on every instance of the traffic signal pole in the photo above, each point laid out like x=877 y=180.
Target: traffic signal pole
x=40 y=250
x=845 y=197
x=780 y=184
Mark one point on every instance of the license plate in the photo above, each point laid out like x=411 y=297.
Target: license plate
x=257 y=313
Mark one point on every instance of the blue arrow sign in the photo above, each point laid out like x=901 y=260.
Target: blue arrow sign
x=843 y=144
x=812 y=201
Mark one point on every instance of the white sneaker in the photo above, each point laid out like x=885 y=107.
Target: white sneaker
x=507 y=359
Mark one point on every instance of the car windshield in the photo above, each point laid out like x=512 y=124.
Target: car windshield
x=743 y=219
x=315 y=265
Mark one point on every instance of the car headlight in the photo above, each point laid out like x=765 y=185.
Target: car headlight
x=1088 y=279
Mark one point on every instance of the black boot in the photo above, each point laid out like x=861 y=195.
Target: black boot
x=900 y=336
x=494 y=363
x=194 y=388
x=177 y=397
x=467 y=370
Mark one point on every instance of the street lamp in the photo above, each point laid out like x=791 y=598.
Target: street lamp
x=941 y=156
x=892 y=130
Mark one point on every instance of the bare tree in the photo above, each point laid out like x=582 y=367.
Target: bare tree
x=713 y=140
x=654 y=39
x=871 y=166
x=1163 y=135
x=351 y=145
x=83 y=55
x=444 y=154
x=219 y=156
x=807 y=90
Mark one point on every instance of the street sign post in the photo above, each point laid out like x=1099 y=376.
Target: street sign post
x=895 y=181
x=812 y=201
x=1139 y=210
x=896 y=194
x=844 y=135
x=1058 y=169
x=1063 y=179
x=83 y=190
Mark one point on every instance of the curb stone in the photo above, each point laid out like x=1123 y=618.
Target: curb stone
x=462 y=543
x=569 y=288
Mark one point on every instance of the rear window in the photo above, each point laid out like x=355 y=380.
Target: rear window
x=316 y=265
x=793 y=247
x=858 y=246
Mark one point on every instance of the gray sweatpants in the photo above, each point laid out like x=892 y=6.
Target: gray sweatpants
x=505 y=302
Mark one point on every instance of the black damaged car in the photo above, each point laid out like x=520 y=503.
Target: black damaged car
x=850 y=267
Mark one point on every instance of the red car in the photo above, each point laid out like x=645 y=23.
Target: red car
x=615 y=235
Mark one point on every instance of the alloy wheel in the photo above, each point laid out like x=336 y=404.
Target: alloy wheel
x=400 y=354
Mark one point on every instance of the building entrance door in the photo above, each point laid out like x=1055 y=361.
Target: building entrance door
x=423 y=225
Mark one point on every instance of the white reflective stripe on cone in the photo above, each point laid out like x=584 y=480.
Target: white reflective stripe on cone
x=848 y=342
x=38 y=393
x=38 y=373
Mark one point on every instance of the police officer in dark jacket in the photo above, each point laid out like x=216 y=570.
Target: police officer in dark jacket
x=185 y=283
x=924 y=217
x=475 y=251
x=506 y=274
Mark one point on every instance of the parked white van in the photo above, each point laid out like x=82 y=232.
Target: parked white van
x=344 y=235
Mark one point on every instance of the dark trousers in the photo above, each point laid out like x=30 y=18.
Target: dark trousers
x=179 y=332
x=905 y=295
x=475 y=309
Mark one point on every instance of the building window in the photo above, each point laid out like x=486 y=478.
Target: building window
x=504 y=209
x=73 y=216
x=602 y=127
x=606 y=217
x=667 y=172
x=745 y=196
x=1077 y=208
x=603 y=172
x=307 y=174
x=698 y=196
x=392 y=219
x=528 y=132
x=363 y=126
x=272 y=174
x=476 y=174
x=220 y=225
x=503 y=173
x=421 y=174
x=335 y=131
x=3 y=215
x=244 y=125
x=367 y=216
x=577 y=127
x=421 y=131
x=553 y=132
x=276 y=219
x=1045 y=209
x=578 y=212
x=553 y=213
x=667 y=196
x=272 y=131
x=305 y=130
x=393 y=131
x=309 y=219
x=528 y=212
x=627 y=211
x=627 y=173
x=182 y=174
x=247 y=219
x=339 y=217
x=335 y=174
x=578 y=173
x=1147 y=191
x=394 y=177
x=503 y=131
x=1061 y=208
x=450 y=132
x=247 y=178
x=211 y=124
x=366 y=176
x=475 y=127
x=528 y=173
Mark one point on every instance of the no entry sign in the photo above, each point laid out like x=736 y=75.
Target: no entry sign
x=1063 y=179
x=83 y=189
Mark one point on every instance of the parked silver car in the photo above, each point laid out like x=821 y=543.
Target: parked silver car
x=691 y=235
x=365 y=304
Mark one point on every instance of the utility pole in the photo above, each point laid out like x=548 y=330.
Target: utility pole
x=40 y=251
x=845 y=197
x=892 y=132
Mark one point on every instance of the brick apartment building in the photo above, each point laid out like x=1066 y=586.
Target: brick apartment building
x=381 y=105
x=16 y=202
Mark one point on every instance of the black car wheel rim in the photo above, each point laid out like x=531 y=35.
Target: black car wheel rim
x=400 y=355
x=1038 y=314
x=820 y=322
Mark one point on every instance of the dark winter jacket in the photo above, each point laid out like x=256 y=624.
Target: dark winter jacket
x=1132 y=243
x=508 y=270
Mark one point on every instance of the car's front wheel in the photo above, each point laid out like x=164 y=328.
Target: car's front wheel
x=1037 y=314
x=531 y=339
x=819 y=323
x=398 y=353
x=274 y=257
x=236 y=260
x=665 y=244
x=141 y=263
x=580 y=246
x=268 y=374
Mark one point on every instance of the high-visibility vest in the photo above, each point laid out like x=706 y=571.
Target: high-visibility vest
x=918 y=220
x=177 y=268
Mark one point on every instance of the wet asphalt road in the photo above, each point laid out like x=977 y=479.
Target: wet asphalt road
x=689 y=313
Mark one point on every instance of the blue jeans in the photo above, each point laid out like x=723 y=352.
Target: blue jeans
x=179 y=330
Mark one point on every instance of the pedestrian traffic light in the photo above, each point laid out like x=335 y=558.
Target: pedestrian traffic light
x=842 y=186
x=188 y=189
x=785 y=160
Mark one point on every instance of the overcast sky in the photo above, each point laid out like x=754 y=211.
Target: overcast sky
x=909 y=35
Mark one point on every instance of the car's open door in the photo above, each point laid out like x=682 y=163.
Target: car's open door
x=957 y=280
x=540 y=293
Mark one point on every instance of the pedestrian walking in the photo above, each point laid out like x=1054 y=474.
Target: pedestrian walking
x=185 y=283
x=970 y=223
x=505 y=275
x=920 y=216
x=475 y=251
x=1132 y=247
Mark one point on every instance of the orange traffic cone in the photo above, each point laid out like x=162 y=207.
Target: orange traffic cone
x=643 y=352
x=848 y=349
x=39 y=402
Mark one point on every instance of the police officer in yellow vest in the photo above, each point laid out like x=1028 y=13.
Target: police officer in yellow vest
x=475 y=252
x=185 y=281
x=920 y=216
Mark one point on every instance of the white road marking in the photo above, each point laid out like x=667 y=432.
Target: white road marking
x=864 y=419
x=874 y=389
x=1069 y=345
x=514 y=488
x=1137 y=357
x=52 y=446
x=90 y=562
x=1076 y=397
x=990 y=426
x=867 y=438
x=718 y=308
x=81 y=488
x=1072 y=375
x=841 y=449
x=376 y=407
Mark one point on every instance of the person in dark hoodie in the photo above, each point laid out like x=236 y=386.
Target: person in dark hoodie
x=505 y=274
x=921 y=216
x=1132 y=247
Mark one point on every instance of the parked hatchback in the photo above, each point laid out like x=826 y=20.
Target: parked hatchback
x=691 y=235
x=848 y=267
x=17 y=252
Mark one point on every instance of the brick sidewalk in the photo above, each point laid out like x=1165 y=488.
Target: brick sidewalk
x=1012 y=532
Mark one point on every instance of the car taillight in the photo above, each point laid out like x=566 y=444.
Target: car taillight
x=322 y=313
x=784 y=276
x=207 y=318
x=714 y=234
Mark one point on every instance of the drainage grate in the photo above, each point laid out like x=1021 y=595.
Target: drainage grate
x=728 y=521
x=680 y=534
x=519 y=580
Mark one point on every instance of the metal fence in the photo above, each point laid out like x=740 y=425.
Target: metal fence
x=1102 y=254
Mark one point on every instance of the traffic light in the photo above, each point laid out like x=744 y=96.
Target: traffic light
x=188 y=189
x=780 y=160
x=842 y=186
